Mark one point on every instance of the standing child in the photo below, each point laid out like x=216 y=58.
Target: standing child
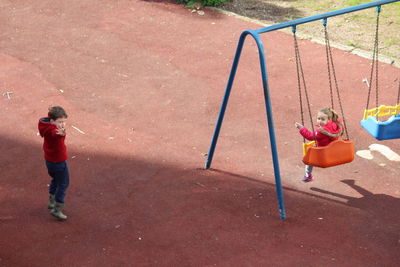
x=52 y=129
x=329 y=128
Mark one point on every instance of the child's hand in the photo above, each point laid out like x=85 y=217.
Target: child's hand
x=298 y=125
x=60 y=131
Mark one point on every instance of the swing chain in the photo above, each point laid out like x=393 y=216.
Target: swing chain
x=374 y=62
x=328 y=63
x=398 y=94
x=300 y=75
x=376 y=57
x=332 y=66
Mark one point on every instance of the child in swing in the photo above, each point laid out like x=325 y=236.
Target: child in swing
x=329 y=128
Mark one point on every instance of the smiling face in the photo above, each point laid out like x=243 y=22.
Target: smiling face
x=322 y=118
x=60 y=122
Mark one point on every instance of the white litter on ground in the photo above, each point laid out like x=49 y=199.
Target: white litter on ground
x=8 y=94
x=385 y=151
x=366 y=154
x=79 y=130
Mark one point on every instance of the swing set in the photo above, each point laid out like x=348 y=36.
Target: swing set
x=337 y=152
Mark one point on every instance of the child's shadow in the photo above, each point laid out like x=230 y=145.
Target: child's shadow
x=380 y=206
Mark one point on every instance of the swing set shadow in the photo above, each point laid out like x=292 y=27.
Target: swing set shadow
x=381 y=205
x=264 y=74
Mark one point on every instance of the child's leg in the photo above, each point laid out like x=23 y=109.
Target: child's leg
x=308 y=177
x=61 y=177
x=59 y=184
x=63 y=182
x=309 y=169
x=53 y=183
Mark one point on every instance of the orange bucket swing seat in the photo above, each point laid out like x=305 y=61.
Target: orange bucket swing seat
x=336 y=153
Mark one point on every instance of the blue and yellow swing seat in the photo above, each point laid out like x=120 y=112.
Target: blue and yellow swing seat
x=382 y=130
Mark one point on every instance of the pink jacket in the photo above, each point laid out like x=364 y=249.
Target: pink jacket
x=322 y=134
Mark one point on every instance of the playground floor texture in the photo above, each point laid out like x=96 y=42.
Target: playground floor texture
x=142 y=82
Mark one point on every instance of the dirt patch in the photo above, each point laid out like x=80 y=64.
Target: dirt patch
x=263 y=10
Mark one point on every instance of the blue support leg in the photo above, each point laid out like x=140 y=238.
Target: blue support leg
x=225 y=100
x=271 y=129
x=268 y=110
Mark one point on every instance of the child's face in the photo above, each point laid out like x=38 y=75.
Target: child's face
x=60 y=122
x=322 y=119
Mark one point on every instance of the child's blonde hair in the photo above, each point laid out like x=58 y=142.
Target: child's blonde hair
x=333 y=116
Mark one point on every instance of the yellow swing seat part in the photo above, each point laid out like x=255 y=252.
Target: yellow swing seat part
x=382 y=111
x=306 y=146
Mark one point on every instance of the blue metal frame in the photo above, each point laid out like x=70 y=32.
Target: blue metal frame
x=256 y=35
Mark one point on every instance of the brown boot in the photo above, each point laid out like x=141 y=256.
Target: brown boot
x=52 y=202
x=57 y=211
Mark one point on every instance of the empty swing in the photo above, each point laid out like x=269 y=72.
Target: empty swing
x=337 y=152
x=384 y=129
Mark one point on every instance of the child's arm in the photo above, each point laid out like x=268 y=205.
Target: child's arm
x=57 y=132
x=307 y=134
x=61 y=131
x=298 y=125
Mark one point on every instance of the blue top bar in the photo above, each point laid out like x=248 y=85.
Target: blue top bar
x=324 y=15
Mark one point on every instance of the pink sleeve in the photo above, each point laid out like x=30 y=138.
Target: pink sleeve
x=307 y=134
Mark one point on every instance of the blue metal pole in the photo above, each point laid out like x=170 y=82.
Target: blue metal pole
x=324 y=15
x=225 y=99
x=268 y=110
x=271 y=129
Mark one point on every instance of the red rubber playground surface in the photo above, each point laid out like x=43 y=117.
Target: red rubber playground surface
x=142 y=82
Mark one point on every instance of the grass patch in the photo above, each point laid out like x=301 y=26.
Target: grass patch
x=393 y=41
x=350 y=43
x=356 y=2
x=319 y=6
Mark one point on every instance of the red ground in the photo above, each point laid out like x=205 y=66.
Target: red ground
x=144 y=81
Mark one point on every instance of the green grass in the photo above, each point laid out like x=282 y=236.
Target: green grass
x=350 y=43
x=320 y=6
x=314 y=5
x=355 y=2
x=355 y=17
x=393 y=41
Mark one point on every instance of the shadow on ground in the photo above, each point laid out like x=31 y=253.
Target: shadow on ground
x=380 y=206
x=262 y=11
x=255 y=9
x=125 y=211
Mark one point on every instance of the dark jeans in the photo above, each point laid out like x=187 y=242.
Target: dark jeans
x=60 y=179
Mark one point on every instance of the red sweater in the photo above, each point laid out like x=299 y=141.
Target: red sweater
x=321 y=138
x=53 y=145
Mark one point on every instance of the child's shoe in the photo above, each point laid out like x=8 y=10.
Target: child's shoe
x=52 y=202
x=308 y=178
x=57 y=211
